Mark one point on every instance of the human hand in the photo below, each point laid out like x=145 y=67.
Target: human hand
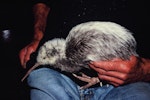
x=119 y=72
x=25 y=53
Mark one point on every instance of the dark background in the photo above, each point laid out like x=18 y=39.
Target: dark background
x=17 y=17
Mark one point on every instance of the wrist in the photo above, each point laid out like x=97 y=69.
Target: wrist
x=145 y=64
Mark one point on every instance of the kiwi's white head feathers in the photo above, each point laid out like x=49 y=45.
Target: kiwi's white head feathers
x=51 y=51
x=49 y=54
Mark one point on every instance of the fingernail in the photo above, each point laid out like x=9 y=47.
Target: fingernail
x=92 y=63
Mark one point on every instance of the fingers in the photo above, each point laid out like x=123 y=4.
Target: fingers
x=109 y=66
x=114 y=77
x=115 y=74
x=119 y=65
x=25 y=56
x=116 y=71
x=22 y=56
x=112 y=80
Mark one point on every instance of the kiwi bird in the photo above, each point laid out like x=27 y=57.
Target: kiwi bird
x=89 y=41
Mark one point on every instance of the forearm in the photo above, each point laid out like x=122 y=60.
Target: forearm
x=40 y=11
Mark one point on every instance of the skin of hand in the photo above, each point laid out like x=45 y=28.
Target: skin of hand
x=25 y=53
x=119 y=72
x=40 y=11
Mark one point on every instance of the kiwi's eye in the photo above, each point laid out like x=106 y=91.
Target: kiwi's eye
x=44 y=57
x=52 y=52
